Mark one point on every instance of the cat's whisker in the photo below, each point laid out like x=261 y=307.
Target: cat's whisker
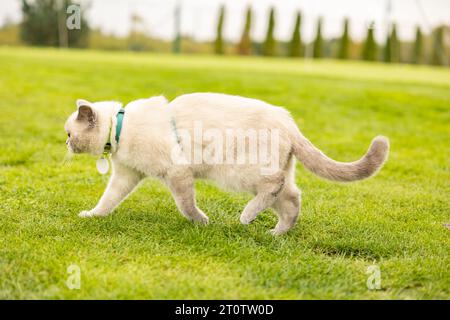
x=67 y=158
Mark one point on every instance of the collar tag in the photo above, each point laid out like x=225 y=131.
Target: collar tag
x=102 y=165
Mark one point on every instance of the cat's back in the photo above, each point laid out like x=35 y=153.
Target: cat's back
x=219 y=101
x=224 y=109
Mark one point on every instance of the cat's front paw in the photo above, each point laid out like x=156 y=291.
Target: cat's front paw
x=203 y=220
x=200 y=219
x=278 y=231
x=86 y=214
x=246 y=219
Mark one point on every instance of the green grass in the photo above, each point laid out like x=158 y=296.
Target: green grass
x=148 y=250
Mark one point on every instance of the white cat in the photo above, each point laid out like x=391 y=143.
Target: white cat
x=180 y=141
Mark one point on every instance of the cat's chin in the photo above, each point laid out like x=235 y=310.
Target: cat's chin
x=95 y=153
x=72 y=150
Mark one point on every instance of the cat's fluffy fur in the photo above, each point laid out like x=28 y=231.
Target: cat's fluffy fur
x=147 y=140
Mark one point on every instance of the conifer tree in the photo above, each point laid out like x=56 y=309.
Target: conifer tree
x=437 y=57
x=245 y=44
x=295 y=45
x=395 y=45
x=392 y=47
x=344 y=42
x=219 y=47
x=370 y=46
x=270 y=44
x=318 y=41
x=418 y=47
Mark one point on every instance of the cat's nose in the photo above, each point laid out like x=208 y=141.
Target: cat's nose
x=67 y=141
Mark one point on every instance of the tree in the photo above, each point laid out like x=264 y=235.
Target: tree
x=245 y=44
x=387 y=49
x=392 y=47
x=395 y=45
x=344 y=42
x=418 y=47
x=370 y=46
x=135 y=37
x=176 y=43
x=437 y=57
x=269 y=43
x=295 y=45
x=219 y=48
x=318 y=41
x=44 y=24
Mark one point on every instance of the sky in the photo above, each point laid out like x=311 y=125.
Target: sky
x=199 y=17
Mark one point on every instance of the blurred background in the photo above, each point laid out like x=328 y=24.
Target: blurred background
x=393 y=31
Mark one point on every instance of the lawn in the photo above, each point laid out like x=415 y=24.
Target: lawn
x=146 y=249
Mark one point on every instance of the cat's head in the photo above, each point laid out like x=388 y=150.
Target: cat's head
x=88 y=128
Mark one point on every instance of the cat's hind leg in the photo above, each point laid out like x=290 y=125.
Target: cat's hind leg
x=266 y=194
x=287 y=207
x=181 y=184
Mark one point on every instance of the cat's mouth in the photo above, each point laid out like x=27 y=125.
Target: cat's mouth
x=72 y=148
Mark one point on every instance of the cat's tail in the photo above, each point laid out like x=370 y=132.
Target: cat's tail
x=317 y=162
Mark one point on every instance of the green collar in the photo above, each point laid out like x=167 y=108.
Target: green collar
x=119 y=117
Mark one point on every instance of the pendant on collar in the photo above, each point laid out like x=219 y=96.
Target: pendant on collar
x=102 y=165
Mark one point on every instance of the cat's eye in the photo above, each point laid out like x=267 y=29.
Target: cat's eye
x=68 y=134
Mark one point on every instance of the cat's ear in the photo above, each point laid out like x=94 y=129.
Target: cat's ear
x=82 y=102
x=86 y=112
